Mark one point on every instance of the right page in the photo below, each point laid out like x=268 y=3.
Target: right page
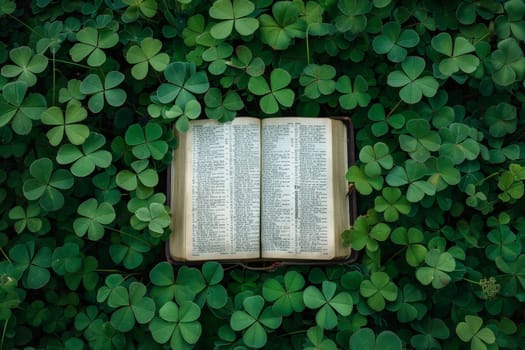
x=304 y=207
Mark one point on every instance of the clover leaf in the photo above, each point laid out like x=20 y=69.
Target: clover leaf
x=363 y=183
x=376 y=157
x=471 y=331
x=285 y=25
x=94 y=217
x=365 y=338
x=232 y=15
x=353 y=17
x=163 y=279
x=317 y=340
x=413 y=86
x=511 y=182
x=430 y=330
x=222 y=108
x=393 y=42
x=411 y=175
x=328 y=303
x=146 y=142
x=156 y=216
x=144 y=55
x=275 y=93
x=92 y=85
x=177 y=325
x=132 y=306
x=192 y=110
x=254 y=321
x=411 y=239
x=26 y=65
x=26 y=218
x=377 y=290
x=515 y=270
x=130 y=250
x=183 y=82
x=459 y=57
x=18 y=109
x=66 y=259
x=33 y=263
x=288 y=297
x=508 y=62
x=44 y=184
x=512 y=22
x=142 y=175
x=436 y=273
x=501 y=119
x=408 y=306
x=218 y=56
x=382 y=121
x=147 y=8
x=214 y=294
x=443 y=173
x=504 y=243
x=457 y=145
x=391 y=204
x=86 y=158
x=420 y=141
x=91 y=42
x=67 y=124
x=353 y=96
x=317 y=80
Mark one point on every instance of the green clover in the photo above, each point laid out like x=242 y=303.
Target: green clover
x=146 y=8
x=66 y=125
x=274 y=94
x=377 y=290
x=145 y=55
x=436 y=272
x=146 y=142
x=286 y=297
x=471 y=331
x=183 y=82
x=391 y=204
x=353 y=18
x=232 y=15
x=328 y=303
x=86 y=158
x=91 y=43
x=413 y=86
x=26 y=65
x=393 y=42
x=353 y=96
x=459 y=57
x=93 y=218
x=107 y=91
x=222 y=108
x=279 y=31
x=317 y=80
x=18 y=109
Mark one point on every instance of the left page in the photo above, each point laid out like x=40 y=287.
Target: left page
x=216 y=191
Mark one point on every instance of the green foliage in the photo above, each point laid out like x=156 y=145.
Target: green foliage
x=91 y=92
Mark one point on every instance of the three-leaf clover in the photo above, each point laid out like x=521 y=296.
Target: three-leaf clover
x=328 y=303
x=93 y=218
x=471 y=331
x=458 y=143
x=45 y=185
x=353 y=96
x=142 y=175
x=436 y=273
x=33 y=263
x=67 y=124
x=156 y=216
x=286 y=297
x=91 y=43
x=233 y=15
x=19 y=109
x=420 y=141
x=363 y=183
x=501 y=119
x=353 y=17
x=393 y=42
x=183 y=82
x=365 y=338
x=459 y=55
x=317 y=80
x=412 y=239
x=146 y=142
x=254 y=321
x=130 y=250
x=107 y=91
x=147 y=8
x=86 y=158
x=377 y=290
x=176 y=324
x=285 y=25
x=508 y=62
x=391 y=204
x=132 y=305
x=375 y=158
x=275 y=93
x=411 y=175
x=383 y=121
x=192 y=110
x=413 y=85
x=222 y=108
x=26 y=218
x=26 y=65
x=145 y=55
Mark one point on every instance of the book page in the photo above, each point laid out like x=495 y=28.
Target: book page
x=222 y=187
x=297 y=193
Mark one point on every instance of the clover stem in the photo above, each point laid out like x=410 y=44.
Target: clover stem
x=6 y=257
x=54 y=79
x=128 y=234
x=395 y=254
x=25 y=25
x=307 y=46
x=472 y=281
x=487 y=178
x=72 y=63
x=393 y=109
x=4 y=331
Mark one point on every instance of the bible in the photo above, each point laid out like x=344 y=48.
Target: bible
x=260 y=189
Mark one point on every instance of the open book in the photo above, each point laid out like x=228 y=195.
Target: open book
x=260 y=189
